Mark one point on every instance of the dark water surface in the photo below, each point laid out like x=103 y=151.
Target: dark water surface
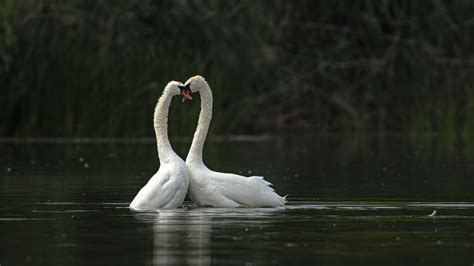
x=363 y=201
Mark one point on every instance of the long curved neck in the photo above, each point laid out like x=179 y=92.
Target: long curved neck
x=205 y=116
x=160 y=122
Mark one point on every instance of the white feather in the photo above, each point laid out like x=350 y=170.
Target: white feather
x=167 y=188
x=210 y=188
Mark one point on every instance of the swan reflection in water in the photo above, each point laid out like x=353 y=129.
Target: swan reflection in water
x=183 y=236
x=179 y=236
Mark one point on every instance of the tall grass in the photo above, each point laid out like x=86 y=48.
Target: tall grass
x=96 y=68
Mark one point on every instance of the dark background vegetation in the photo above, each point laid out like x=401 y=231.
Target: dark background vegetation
x=96 y=68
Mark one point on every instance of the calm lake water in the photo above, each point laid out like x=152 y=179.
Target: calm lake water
x=352 y=200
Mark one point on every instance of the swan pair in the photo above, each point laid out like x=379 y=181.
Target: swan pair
x=168 y=187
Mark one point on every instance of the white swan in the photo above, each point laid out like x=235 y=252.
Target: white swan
x=167 y=188
x=209 y=188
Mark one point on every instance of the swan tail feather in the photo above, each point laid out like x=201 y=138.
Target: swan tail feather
x=271 y=198
x=261 y=179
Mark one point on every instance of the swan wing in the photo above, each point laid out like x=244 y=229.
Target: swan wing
x=253 y=191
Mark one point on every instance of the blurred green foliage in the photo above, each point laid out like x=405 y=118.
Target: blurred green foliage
x=96 y=68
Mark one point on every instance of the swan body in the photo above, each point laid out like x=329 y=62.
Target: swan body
x=210 y=188
x=168 y=186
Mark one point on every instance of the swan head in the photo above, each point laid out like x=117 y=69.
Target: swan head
x=196 y=83
x=176 y=88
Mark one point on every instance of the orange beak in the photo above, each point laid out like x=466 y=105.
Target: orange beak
x=186 y=95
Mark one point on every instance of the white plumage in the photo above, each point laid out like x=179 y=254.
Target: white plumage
x=210 y=188
x=167 y=188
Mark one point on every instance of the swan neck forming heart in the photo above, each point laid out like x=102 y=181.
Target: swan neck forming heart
x=160 y=122
x=205 y=116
